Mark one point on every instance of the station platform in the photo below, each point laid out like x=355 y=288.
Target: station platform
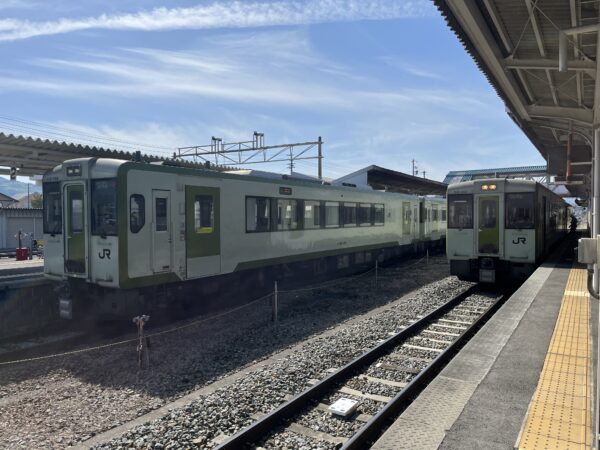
x=9 y=266
x=20 y=274
x=526 y=380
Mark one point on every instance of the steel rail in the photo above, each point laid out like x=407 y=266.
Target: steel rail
x=375 y=427
x=265 y=425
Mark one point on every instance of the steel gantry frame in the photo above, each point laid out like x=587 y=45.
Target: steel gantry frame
x=236 y=153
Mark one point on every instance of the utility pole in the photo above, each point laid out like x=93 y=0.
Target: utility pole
x=320 y=157
x=414 y=167
x=424 y=172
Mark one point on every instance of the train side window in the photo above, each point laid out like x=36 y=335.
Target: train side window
x=364 y=215
x=406 y=218
x=52 y=208
x=460 y=211
x=349 y=214
x=287 y=214
x=443 y=215
x=161 y=214
x=76 y=212
x=258 y=214
x=204 y=214
x=378 y=214
x=137 y=212
x=519 y=211
x=312 y=214
x=332 y=214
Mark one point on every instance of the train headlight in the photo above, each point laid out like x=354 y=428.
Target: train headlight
x=484 y=187
x=492 y=187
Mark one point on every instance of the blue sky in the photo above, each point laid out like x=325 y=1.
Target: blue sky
x=383 y=82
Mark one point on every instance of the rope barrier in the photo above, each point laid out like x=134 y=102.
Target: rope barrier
x=337 y=282
x=132 y=340
x=327 y=284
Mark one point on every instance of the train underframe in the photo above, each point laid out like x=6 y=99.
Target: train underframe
x=490 y=270
x=188 y=297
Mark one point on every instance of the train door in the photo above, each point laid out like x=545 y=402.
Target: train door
x=489 y=226
x=161 y=231
x=75 y=251
x=415 y=223
x=202 y=230
x=428 y=220
x=544 y=224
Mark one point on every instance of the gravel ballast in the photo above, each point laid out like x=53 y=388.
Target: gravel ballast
x=261 y=391
x=61 y=402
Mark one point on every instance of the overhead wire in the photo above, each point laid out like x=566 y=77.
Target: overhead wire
x=70 y=132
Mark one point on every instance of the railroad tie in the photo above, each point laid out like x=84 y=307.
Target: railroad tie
x=453 y=327
x=427 y=349
x=395 y=368
x=398 y=384
x=455 y=321
x=377 y=398
x=314 y=434
x=442 y=333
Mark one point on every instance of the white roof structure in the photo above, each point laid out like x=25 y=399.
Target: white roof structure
x=541 y=58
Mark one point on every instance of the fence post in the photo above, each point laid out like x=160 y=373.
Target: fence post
x=427 y=260
x=143 y=353
x=376 y=271
x=275 y=303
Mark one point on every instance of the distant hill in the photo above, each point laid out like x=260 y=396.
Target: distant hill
x=17 y=188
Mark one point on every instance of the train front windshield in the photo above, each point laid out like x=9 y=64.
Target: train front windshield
x=519 y=211
x=104 y=207
x=460 y=211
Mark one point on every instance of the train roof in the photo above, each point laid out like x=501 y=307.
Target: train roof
x=105 y=168
x=501 y=185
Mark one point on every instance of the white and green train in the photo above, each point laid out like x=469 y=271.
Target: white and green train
x=502 y=228
x=120 y=230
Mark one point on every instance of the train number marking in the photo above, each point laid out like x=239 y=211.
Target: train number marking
x=105 y=253
x=520 y=240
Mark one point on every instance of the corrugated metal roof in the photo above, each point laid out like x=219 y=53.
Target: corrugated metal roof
x=390 y=180
x=515 y=45
x=467 y=175
x=33 y=156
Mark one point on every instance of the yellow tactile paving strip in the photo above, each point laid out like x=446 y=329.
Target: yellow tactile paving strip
x=560 y=413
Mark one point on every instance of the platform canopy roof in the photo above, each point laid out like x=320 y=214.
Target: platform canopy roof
x=527 y=172
x=380 y=178
x=34 y=156
x=515 y=43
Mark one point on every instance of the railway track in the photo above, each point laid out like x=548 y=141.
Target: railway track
x=382 y=381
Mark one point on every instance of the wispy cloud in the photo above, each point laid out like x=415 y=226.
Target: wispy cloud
x=274 y=67
x=410 y=69
x=17 y=4
x=230 y=14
